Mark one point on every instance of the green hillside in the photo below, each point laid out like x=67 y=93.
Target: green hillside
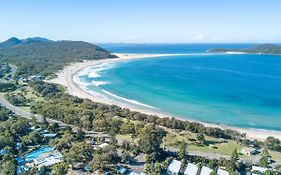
x=45 y=57
x=262 y=48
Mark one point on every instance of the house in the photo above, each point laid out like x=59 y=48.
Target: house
x=249 y=151
x=222 y=172
x=49 y=135
x=206 y=171
x=191 y=169
x=103 y=145
x=45 y=131
x=35 y=78
x=133 y=173
x=18 y=145
x=174 y=167
x=3 y=152
x=122 y=170
x=258 y=169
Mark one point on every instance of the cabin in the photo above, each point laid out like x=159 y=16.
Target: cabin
x=174 y=167
x=3 y=152
x=122 y=170
x=191 y=169
x=249 y=151
x=222 y=172
x=50 y=135
x=206 y=171
x=258 y=169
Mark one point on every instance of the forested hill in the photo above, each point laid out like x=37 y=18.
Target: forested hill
x=263 y=49
x=40 y=56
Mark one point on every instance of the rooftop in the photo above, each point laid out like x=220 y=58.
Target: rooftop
x=222 y=172
x=174 y=166
x=258 y=168
x=48 y=159
x=191 y=169
x=205 y=171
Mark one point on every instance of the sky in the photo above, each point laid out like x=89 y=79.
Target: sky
x=143 y=21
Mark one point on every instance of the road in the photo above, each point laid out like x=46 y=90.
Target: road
x=92 y=134
x=40 y=118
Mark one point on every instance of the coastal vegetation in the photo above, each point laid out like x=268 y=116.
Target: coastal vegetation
x=147 y=135
x=130 y=137
x=35 y=56
x=6 y=87
x=259 y=49
x=101 y=117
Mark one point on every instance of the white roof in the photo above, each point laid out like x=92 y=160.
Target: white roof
x=191 y=169
x=222 y=172
x=134 y=173
x=258 y=168
x=205 y=171
x=48 y=159
x=174 y=166
x=103 y=145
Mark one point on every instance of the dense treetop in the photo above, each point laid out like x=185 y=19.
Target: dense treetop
x=263 y=48
x=41 y=56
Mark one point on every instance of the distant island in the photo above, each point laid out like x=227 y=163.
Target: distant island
x=42 y=56
x=259 y=49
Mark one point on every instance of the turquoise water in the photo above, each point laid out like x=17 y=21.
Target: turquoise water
x=236 y=90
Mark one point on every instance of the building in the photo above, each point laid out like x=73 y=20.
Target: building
x=48 y=159
x=249 y=151
x=191 y=169
x=18 y=145
x=3 y=152
x=50 y=135
x=134 y=173
x=206 y=171
x=258 y=169
x=122 y=170
x=174 y=167
x=222 y=172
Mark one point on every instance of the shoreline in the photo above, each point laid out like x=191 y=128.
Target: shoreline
x=66 y=78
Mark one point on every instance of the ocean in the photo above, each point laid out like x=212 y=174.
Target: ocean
x=241 y=90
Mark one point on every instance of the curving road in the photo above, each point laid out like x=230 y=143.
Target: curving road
x=39 y=118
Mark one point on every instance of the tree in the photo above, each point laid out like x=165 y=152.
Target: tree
x=153 y=168
x=213 y=173
x=79 y=152
x=232 y=164
x=60 y=169
x=33 y=138
x=8 y=166
x=264 y=160
x=100 y=161
x=125 y=156
x=127 y=128
x=80 y=135
x=182 y=150
x=200 y=137
x=150 y=138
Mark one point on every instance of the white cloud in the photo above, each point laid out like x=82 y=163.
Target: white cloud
x=205 y=37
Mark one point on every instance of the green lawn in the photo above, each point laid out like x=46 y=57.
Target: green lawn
x=223 y=148
x=2 y=94
x=25 y=108
x=275 y=156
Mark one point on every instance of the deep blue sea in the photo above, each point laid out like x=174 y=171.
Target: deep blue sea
x=242 y=90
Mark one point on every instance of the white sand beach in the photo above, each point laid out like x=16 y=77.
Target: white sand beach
x=65 y=78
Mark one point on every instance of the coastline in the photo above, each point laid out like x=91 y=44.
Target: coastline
x=66 y=78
